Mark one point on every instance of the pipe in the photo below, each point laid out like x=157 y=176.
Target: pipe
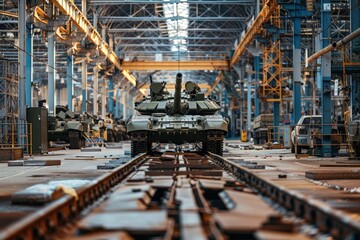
x=332 y=46
x=348 y=38
x=321 y=52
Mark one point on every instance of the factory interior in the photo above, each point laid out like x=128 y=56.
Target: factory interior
x=180 y=119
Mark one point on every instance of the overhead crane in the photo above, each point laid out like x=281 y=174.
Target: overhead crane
x=255 y=28
x=176 y=65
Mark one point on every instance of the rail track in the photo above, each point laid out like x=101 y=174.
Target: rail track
x=179 y=196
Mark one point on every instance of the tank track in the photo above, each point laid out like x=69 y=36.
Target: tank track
x=139 y=143
x=214 y=142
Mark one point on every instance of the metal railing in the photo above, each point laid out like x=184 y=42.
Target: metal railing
x=279 y=135
x=310 y=137
x=16 y=135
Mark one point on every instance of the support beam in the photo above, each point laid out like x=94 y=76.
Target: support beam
x=257 y=81
x=124 y=104
x=8 y=14
x=111 y=96
x=326 y=79
x=96 y=90
x=129 y=77
x=255 y=28
x=215 y=83
x=103 y=98
x=69 y=83
x=29 y=64
x=51 y=68
x=248 y=100
x=117 y=113
x=297 y=68
x=84 y=85
x=176 y=65
x=22 y=72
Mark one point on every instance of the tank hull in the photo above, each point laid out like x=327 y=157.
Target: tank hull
x=177 y=129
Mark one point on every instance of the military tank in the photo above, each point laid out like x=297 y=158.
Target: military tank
x=184 y=117
x=67 y=127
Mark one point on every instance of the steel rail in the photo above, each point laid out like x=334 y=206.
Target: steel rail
x=67 y=208
x=58 y=213
x=314 y=211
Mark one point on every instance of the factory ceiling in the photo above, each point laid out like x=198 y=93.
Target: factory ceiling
x=157 y=31
x=165 y=30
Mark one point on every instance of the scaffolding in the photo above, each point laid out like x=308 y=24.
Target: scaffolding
x=10 y=127
x=9 y=84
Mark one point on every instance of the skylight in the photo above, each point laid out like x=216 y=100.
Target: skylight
x=177 y=23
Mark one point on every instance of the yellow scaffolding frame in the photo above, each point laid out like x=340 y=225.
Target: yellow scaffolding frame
x=271 y=88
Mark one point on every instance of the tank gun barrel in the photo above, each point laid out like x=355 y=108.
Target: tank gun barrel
x=177 y=95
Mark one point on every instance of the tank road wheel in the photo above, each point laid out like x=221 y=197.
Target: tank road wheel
x=139 y=143
x=214 y=142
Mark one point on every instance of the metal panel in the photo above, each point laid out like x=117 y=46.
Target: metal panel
x=37 y=116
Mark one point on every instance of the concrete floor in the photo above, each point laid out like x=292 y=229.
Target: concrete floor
x=74 y=166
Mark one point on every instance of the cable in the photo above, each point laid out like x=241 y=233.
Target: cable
x=34 y=57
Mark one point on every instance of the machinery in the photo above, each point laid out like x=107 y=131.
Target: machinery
x=180 y=118
x=354 y=136
x=67 y=127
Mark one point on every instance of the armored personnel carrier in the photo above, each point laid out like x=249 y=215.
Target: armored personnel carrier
x=187 y=117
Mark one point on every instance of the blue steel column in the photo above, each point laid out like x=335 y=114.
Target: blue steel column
x=111 y=95
x=22 y=71
x=355 y=48
x=257 y=69
x=51 y=66
x=355 y=24
x=84 y=68
x=96 y=91
x=257 y=73
x=29 y=64
x=69 y=76
x=124 y=95
x=296 y=69
x=103 y=97
x=276 y=109
x=84 y=85
x=117 y=102
x=326 y=79
x=51 y=73
x=249 y=106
